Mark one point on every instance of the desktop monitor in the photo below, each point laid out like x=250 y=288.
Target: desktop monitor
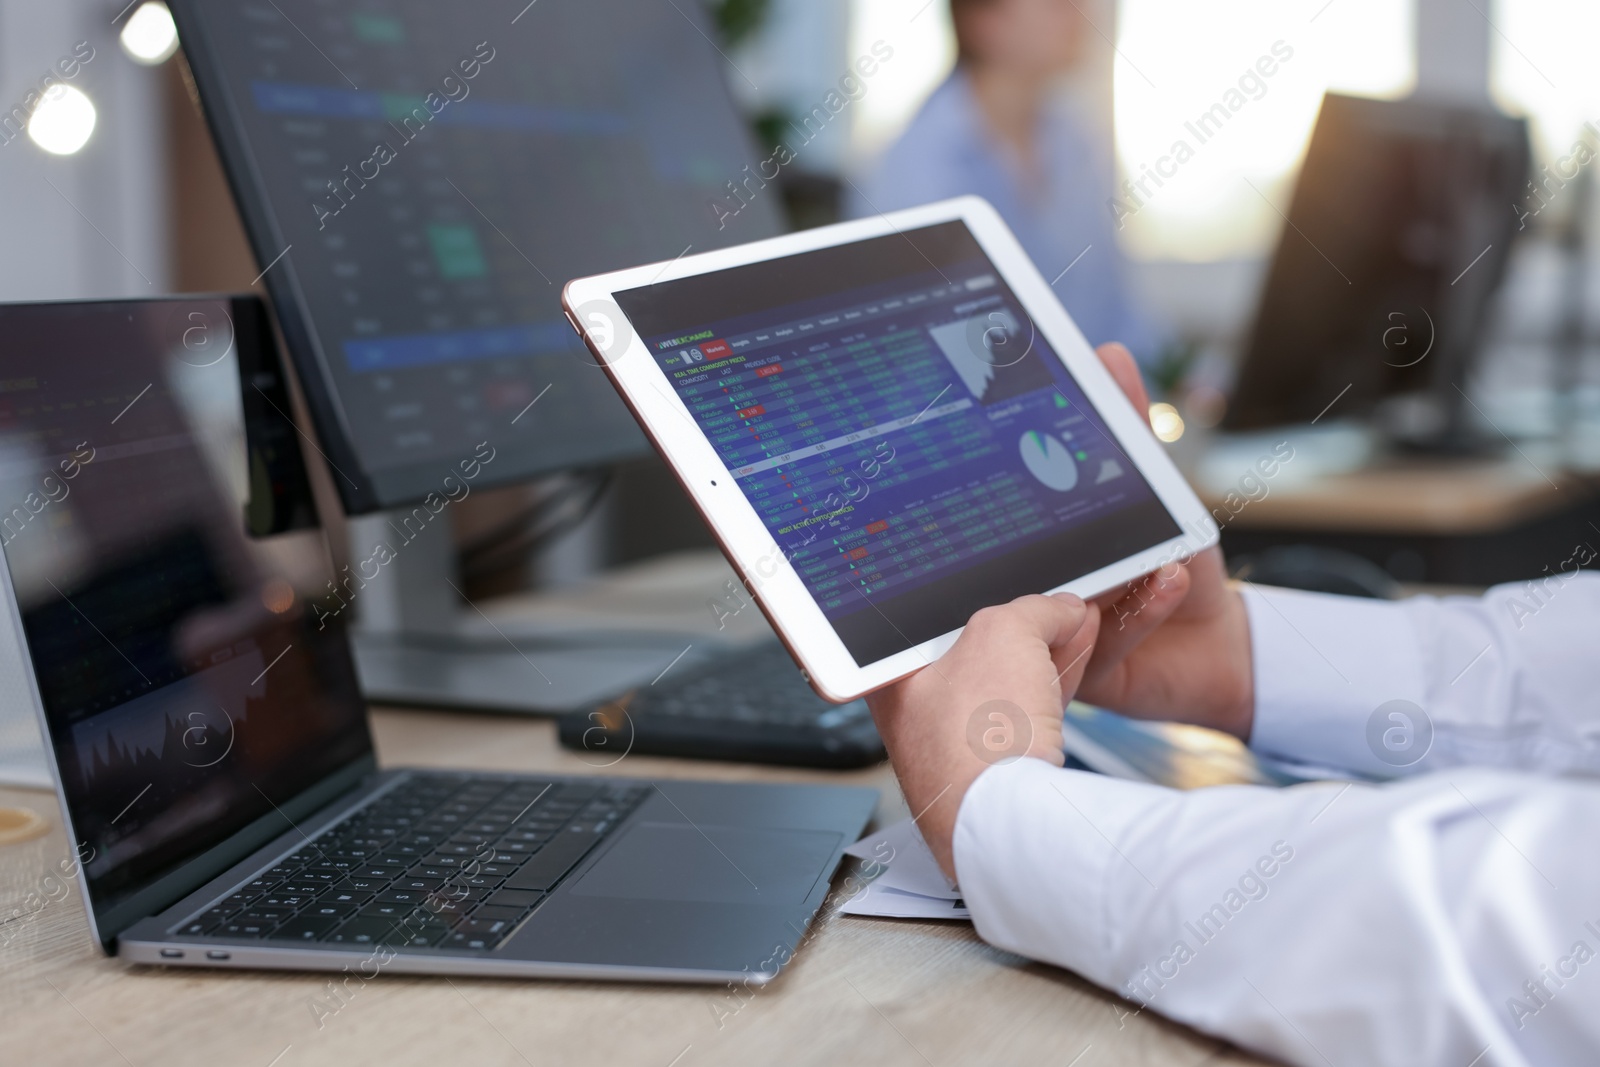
x=419 y=179
x=1398 y=234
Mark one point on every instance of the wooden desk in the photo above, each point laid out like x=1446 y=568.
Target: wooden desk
x=1450 y=522
x=1419 y=496
x=859 y=991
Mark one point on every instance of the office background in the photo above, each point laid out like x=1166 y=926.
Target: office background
x=122 y=194
x=141 y=208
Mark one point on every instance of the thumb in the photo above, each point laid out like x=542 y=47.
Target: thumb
x=1060 y=621
x=1049 y=620
x=1073 y=656
x=1125 y=623
x=1120 y=362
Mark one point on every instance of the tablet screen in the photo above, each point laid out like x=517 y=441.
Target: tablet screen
x=914 y=447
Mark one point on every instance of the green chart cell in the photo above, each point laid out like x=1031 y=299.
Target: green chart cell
x=456 y=252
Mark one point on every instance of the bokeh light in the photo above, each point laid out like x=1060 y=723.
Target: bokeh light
x=149 y=36
x=63 y=121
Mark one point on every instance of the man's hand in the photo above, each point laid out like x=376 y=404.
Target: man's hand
x=998 y=694
x=1174 y=645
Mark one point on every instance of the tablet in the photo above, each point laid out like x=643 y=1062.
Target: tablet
x=888 y=424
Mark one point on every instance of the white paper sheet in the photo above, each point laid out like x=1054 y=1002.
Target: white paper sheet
x=880 y=901
x=912 y=868
x=912 y=886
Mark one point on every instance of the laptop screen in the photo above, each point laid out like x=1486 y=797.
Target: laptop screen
x=163 y=569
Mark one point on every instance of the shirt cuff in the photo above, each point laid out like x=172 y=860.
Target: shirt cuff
x=1034 y=846
x=1323 y=667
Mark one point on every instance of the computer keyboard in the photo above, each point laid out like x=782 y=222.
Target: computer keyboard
x=440 y=861
x=750 y=705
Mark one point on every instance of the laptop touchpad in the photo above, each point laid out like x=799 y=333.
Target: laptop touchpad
x=716 y=864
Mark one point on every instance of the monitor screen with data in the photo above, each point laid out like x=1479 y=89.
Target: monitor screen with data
x=419 y=179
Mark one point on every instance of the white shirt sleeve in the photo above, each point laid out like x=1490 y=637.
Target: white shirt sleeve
x=1508 y=680
x=1452 y=918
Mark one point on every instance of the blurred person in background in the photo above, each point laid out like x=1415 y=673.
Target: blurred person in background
x=999 y=128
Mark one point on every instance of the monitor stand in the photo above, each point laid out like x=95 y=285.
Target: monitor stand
x=418 y=641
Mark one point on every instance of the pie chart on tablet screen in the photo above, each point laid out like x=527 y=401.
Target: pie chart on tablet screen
x=1048 y=460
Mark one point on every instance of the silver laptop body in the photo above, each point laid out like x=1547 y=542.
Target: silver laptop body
x=191 y=673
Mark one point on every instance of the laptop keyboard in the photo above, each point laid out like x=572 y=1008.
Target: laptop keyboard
x=440 y=861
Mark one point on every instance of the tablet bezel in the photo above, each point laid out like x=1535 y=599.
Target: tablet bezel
x=775 y=585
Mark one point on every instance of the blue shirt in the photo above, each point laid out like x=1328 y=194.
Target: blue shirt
x=948 y=151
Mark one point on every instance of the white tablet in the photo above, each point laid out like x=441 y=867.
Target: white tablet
x=888 y=424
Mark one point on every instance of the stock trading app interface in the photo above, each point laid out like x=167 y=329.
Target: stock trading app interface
x=914 y=448
x=434 y=172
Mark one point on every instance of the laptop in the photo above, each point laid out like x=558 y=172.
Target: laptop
x=188 y=661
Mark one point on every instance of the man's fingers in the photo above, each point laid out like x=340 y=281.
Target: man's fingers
x=1119 y=361
x=1073 y=657
x=1052 y=620
x=1126 y=622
